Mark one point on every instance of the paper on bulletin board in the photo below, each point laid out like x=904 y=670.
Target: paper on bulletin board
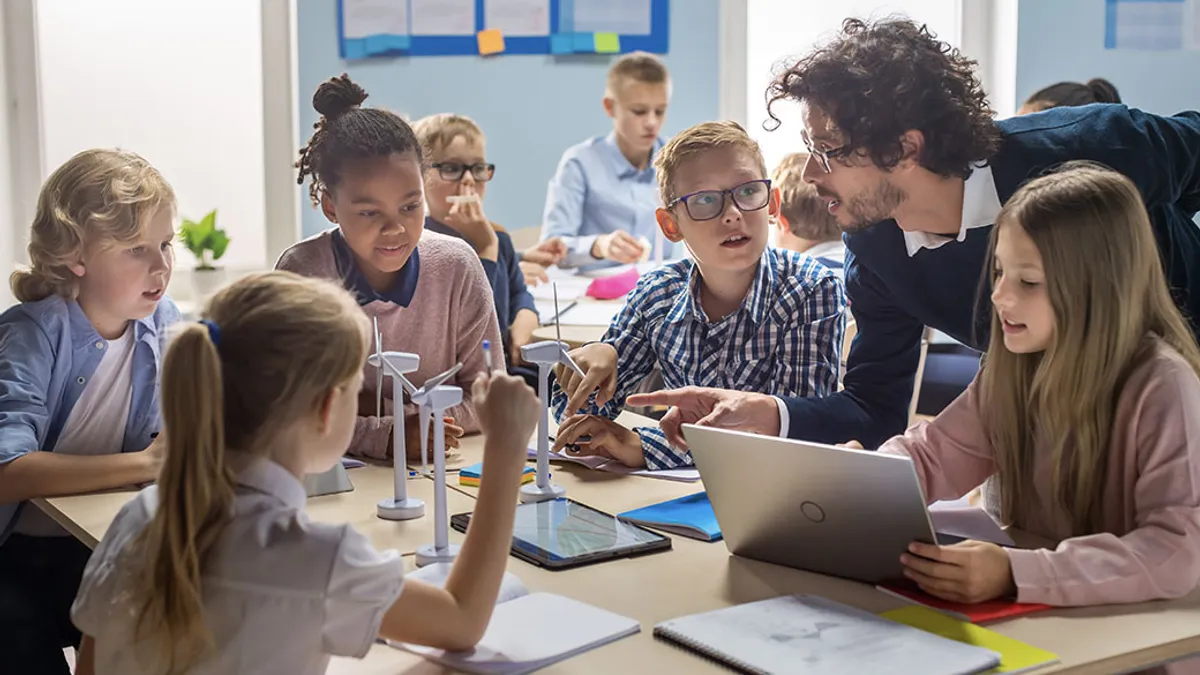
x=624 y=17
x=518 y=18
x=361 y=18
x=1152 y=25
x=443 y=17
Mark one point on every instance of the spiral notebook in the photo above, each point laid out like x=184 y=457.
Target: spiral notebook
x=817 y=636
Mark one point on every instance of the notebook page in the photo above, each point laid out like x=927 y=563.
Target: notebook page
x=532 y=632
x=821 y=637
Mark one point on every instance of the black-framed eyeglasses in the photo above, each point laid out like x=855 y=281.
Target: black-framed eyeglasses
x=708 y=204
x=454 y=171
x=824 y=156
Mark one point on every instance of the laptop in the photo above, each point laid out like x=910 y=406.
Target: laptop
x=842 y=512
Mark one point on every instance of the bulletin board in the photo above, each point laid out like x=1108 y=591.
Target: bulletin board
x=389 y=28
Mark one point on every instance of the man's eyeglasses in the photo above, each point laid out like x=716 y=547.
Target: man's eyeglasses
x=824 y=156
x=708 y=204
x=454 y=171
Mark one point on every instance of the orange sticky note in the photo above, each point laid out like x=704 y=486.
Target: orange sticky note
x=491 y=41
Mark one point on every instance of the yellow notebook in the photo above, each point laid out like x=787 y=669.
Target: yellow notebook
x=1015 y=656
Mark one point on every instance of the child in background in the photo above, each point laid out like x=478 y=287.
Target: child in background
x=805 y=224
x=216 y=569
x=429 y=292
x=79 y=364
x=1085 y=410
x=1097 y=90
x=456 y=178
x=534 y=261
x=601 y=200
x=739 y=314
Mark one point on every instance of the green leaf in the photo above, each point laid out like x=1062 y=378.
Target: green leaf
x=219 y=240
x=209 y=221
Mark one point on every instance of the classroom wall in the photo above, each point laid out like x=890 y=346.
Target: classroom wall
x=531 y=107
x=1064 y=40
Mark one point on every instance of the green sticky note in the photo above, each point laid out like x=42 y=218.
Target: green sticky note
x=608 y=43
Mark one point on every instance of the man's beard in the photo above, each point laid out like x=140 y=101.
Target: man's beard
x=872 y=206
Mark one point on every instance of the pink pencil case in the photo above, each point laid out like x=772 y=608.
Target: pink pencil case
x=616 y=286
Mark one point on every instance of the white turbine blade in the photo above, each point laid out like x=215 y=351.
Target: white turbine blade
x=557 y=328
x=565 y=358
x=378 y=371
x=424 y=421
x=408 y=386
x=437 y=380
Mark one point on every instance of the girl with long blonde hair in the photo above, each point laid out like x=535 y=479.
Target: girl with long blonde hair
x=79 y=364
x=1083 y=416
x=216 y=569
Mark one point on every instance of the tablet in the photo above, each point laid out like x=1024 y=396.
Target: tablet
x=563 y=533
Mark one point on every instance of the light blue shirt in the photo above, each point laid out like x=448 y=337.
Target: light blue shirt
x=48 y=353
x=596 y=191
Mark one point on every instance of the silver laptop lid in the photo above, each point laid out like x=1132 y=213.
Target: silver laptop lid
x=847 y=513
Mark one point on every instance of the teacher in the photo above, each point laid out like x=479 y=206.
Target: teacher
x=904 y=149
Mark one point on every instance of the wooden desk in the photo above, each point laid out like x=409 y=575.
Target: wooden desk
x=698 y=577
x=693 y=577
x=87 y=517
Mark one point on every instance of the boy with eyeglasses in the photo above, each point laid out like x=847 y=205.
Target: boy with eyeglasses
x=456 y=177
x=738 y=314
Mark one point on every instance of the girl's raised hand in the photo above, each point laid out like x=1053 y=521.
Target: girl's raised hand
x=967 y=572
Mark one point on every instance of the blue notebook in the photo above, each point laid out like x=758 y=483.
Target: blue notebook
x=690 y=516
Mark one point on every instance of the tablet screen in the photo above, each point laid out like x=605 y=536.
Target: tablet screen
x=561 y=529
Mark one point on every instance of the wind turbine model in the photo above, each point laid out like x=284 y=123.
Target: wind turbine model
x=436 y=399
x=400 y=506
x=546 y=354
x=424 y=411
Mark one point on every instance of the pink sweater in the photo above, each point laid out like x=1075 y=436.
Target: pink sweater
x=450 y=316
x=1151 y=545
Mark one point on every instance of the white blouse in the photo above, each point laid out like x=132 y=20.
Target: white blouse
x=281 y=593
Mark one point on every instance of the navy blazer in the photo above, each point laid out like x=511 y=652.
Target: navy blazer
x=894 y=296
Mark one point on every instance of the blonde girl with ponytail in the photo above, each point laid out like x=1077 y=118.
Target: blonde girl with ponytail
x=79 y=366
x=216 y=569
x=1084 y=416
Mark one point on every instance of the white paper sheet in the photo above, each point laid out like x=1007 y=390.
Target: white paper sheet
x=518 y=18
x=361 y=18
x=626 y=17
x=967 y=521
x=590 y=314
x=443 y=17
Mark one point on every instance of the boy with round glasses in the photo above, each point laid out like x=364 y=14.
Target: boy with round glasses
x=456 y=176
x=737 y=314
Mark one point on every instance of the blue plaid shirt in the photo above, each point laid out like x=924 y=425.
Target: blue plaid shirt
x=785 y=340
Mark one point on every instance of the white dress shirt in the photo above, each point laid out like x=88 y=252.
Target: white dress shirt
x=281 y=593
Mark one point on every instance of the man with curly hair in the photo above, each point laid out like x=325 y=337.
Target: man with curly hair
x=907 y=155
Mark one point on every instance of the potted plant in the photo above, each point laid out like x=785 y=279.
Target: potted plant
x=208 y=243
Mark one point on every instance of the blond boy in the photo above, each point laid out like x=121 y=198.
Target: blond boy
x=602 y=198
x=739 y=314
x=805 y=224
x=456 y=177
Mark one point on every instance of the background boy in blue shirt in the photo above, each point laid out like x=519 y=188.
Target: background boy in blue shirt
x=602 y=198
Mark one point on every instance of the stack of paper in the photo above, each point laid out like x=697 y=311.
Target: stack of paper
x=470 y=476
